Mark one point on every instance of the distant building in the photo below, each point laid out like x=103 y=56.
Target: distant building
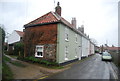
x=113 y=49
x=15 y=37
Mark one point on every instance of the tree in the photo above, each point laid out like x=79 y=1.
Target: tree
x=2 y=37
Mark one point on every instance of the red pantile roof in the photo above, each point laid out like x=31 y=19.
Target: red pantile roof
x=20 y=33
x=113 y=48
x=50 y=17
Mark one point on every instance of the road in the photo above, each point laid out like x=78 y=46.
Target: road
x=91 y=68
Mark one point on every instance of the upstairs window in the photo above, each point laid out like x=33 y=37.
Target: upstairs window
x=76 y=39
x=66 y=34
x=39 y=51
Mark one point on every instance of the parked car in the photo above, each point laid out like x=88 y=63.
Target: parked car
x=106 y=56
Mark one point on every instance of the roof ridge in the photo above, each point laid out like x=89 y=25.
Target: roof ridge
x=55 y=15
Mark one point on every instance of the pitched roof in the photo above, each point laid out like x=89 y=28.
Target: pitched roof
x=113 y=48
x=50 y=17
x=20 y=33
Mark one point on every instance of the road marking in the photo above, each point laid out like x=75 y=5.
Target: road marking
x=43 y=77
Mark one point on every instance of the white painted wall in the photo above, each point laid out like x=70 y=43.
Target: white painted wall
x=14 y=37
x=85 y=47
x=92 y=49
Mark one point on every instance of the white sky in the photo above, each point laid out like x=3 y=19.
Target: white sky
x=100 y=17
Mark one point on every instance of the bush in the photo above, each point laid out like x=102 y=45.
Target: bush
x=19 y=48
x=37 y=60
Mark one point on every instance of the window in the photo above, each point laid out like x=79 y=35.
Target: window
x=66 y=53
x=66 y=34
x=39 y=51
x=76 y=38
x=75 y=52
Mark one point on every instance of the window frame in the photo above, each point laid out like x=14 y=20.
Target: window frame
x=76 y=38
x=66 y=34
x=37 y=50
x=66 y=52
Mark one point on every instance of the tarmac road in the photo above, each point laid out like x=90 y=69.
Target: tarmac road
x=91 y=68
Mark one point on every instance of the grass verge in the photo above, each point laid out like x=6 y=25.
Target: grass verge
x=16 y=63
x=7 y=73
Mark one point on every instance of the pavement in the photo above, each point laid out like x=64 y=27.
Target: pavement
x=31 y=71
x=92 y=68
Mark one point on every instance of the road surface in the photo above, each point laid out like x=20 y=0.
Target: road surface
x=91 y=68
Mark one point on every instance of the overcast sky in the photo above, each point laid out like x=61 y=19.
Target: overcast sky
x=100 y=17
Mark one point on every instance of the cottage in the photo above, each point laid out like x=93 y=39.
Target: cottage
x=92 y=48
x=52 y=38
x=15 y=37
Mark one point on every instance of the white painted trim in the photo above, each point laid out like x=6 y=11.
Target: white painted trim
x=39 y=51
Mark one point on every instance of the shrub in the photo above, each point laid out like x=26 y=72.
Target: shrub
x=19 y=48
x=37 y=60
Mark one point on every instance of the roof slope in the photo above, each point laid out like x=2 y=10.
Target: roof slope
x=50 y=17
x=113 y=48
x=20 y=33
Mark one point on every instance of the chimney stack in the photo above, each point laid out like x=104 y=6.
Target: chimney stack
x=82 y=28
x=73 y=22
x=58 y=9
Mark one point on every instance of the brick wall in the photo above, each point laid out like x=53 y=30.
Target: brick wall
x=41 y=35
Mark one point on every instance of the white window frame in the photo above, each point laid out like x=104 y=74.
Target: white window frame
x=66 y=52
x=76 y=38
x=66 y=34
x=36 y=50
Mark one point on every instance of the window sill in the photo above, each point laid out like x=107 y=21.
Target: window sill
x=76 y=42
x=66 y=58
x=66 y=40
x=75 y=56
x=38 y=56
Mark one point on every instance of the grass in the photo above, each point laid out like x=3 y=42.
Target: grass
x=7 y=73
x=6 y=58
x=13 y=56
x=16 y=63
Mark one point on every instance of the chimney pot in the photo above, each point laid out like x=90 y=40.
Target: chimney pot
x=58 y=9
x=73 y=22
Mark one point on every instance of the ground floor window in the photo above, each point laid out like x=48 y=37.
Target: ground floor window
x=66 y=52
x=39 y=51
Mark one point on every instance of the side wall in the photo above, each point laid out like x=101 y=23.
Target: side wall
x=85 y=47
x=45 y=35
x=92 y=49
x=14 y=37
x=73 y=47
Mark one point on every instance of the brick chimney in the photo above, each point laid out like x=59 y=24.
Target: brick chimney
x=58 y=9
x=73 y=22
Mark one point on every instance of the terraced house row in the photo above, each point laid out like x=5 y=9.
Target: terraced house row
x=53 y=38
